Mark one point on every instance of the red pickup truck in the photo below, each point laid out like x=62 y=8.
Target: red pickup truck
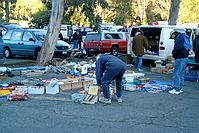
x=103 y=42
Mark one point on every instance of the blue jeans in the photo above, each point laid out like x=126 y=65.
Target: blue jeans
x=75 y=44
x=107 y=77
x=138 y=62
x=179 y=70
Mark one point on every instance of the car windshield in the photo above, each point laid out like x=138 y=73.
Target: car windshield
x=40 y=34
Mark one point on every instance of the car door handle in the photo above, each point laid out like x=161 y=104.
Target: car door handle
x=21 y=43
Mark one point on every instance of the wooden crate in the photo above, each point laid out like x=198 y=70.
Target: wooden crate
x=65 y=87
x=77 y=85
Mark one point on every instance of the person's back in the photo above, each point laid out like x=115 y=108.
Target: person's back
x=111 y=62
x=139 y=44
x=196 y=48
x=75 y=36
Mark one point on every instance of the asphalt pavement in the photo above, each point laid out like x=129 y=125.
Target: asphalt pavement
x=141 y=112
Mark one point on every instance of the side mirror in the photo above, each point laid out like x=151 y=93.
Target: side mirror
x=31 y=39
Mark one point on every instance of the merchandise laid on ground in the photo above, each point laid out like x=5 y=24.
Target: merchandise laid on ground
x=80 y=79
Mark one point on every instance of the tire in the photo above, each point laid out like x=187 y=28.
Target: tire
x=7 y=53
x=114 y=50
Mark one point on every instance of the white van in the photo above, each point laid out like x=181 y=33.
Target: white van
x=160 y=46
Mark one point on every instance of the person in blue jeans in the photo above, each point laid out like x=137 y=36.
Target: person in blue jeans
x=140 y=43
x=180 y=54
x=109 y=68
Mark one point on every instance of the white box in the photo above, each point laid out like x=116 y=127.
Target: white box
x=129 y=77
x=22 y=88
x=36 y=89
x=52 y=87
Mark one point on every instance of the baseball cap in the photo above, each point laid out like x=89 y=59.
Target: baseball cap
x=171 y=33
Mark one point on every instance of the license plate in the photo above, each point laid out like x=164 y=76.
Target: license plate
x=64 y=52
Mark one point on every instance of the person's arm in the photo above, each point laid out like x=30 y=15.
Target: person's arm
x=99 y=72
x=194 y=44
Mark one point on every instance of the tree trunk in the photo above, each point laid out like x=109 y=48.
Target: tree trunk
x=173 y=13
x=7 y=11
x=48 y=47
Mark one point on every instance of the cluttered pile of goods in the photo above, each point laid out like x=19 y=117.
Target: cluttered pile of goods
x=77 y=76
x=136 y=81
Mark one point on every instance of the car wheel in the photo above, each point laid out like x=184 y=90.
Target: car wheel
x=114 y=50
x=26 y=98
x=7 y=53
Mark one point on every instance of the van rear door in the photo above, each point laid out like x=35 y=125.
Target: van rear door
x=153 y=36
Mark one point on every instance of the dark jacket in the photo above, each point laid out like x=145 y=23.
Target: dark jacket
x=75 y=36
x=79 y=37
x=139 y=43
x=179 y=51
x=196 y=48
x=108 y=63
x=196 y=43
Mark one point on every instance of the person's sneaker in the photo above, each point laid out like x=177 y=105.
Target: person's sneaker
x=173 y=91
x=178 y=92
x=105 y=100
x=140 y=70
x=119 y=100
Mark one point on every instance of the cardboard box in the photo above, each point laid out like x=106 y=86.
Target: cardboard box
x=156 y=70
x=65 y=86
x=92 y=96
x=77 y=85
x=158 y=63
x=73 y=84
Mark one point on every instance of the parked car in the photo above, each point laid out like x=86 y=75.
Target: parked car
x=6 y=27
x=102 y=42
x=28 y=42
x=1 y=48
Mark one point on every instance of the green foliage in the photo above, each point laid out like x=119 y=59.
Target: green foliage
x=24 y=9
x=123 y=11
x=83 y=11
x=189 y=11
x=1 y=12
x=157 y=10
x=41 y=18
x=93 y=12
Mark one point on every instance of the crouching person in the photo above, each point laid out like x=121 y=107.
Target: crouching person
x=109 y=68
